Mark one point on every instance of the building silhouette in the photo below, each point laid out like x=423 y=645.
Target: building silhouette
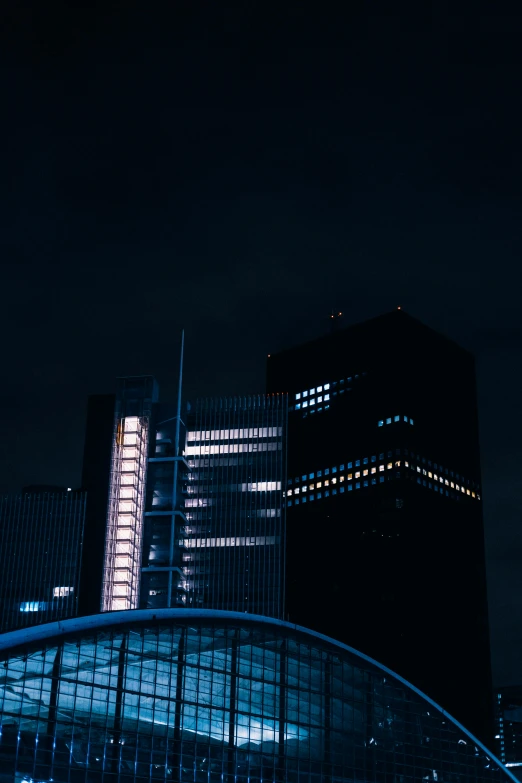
x=385 y=539
x=41 y=535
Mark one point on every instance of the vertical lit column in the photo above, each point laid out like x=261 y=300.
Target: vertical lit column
x=123 y=547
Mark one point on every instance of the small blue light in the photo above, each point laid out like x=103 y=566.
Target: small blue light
x=379 y=423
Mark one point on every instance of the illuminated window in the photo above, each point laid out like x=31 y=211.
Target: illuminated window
x=365 y=461
x=349 y=477
x=389 y=465
x=358 y=485
x=435 y=477
x=298 y=406
x=289 y=492
x=334 y=481
x=326 y=386
x=312 y=402
x=305 y=394
x=312 y=486
x=319 y=484
x=305 y=404
x=319 y=399
x=327 y=483
x=380 y=423
x=397 y=463
x=312 y=391
x=358 y=474
x=405 y=419
x=298 y=396
x=452 y=484
x=397 y=418
x=381 y=468
x=388 y=421
x=30 y=606
x=341 y=479
x=407 y=464
x=326 y=396
x=327 y=472
x=304 y=489
x=62 y=592
x=296 y=491
x=357 y=463
x=411 y=421
x=319 y=389
x=430 y=474
x=446 y=482
x=319 y=473
x=365 y=472
x=374 y=470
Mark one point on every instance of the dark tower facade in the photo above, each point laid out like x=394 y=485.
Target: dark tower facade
x=385 y=538
x=41 y=535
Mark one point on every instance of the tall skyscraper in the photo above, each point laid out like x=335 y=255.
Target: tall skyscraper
x=41 y=534
x=385 y=539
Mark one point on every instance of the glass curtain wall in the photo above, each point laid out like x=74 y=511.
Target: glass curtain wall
x=235 y=507
x=124 y=531
x=40 y=549
x=220 y=699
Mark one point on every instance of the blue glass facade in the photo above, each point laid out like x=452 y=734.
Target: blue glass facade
x=192 y=695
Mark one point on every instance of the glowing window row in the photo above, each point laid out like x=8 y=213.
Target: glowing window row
x=393 y=419
x=327 y=482
x=446 y=482
x=327 y=485
x=235 y=434
x=392 y=454
x=325 y=387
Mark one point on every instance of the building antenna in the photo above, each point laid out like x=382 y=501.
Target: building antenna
x=180 y=385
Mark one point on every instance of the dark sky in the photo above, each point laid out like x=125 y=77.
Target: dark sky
x=238 y=170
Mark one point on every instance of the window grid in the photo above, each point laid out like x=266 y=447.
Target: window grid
x=188 y=700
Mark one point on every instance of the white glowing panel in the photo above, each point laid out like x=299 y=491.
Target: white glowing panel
x=123 y=545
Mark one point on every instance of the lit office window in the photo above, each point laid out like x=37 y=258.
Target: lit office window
x=397 y=418
x=380 y=423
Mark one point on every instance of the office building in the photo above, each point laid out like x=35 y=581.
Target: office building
x=385 y=539
x=196 y=695
x=194 y=509
x=235 y=507
x=509 y=728
x=41 y=535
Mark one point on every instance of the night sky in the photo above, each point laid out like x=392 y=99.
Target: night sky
x=239 y=170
